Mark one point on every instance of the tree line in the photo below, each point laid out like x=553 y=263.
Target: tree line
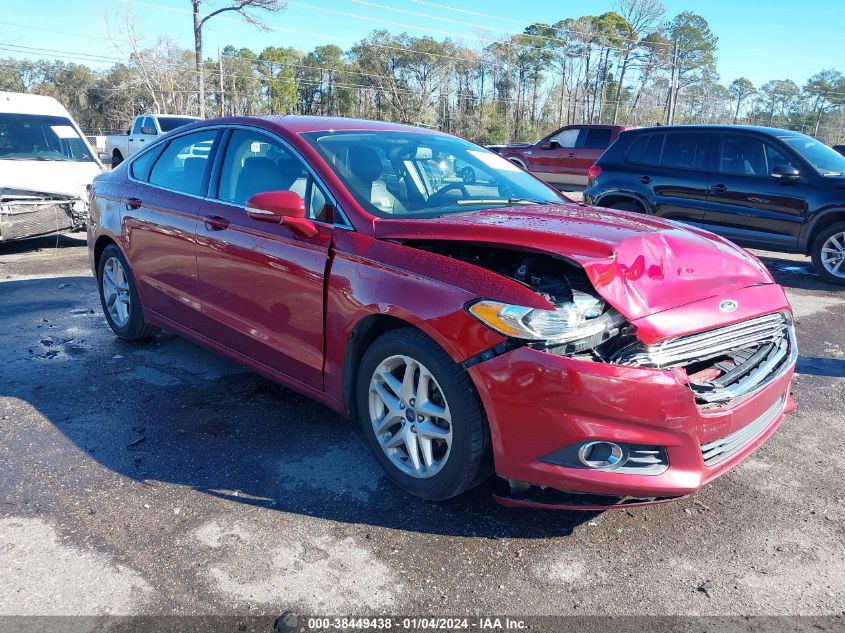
x=632 y=65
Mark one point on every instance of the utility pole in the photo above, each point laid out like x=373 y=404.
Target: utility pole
x=673 y=90
x=220 y=69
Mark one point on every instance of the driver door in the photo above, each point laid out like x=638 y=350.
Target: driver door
x=261 y=284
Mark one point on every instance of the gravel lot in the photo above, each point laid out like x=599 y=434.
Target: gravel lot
x=158 y=478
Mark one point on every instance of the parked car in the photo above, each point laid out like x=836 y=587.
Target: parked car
x=840 y=149
x=145 y=129
x=760 y=187
x=565 y=156
x=471 y=328
x=46 y=166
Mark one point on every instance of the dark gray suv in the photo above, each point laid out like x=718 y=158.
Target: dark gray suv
x=760 y=187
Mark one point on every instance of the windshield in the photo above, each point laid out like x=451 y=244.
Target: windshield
x=425 y=175
x=827 y=161
x=172 y=122
x=37 y=137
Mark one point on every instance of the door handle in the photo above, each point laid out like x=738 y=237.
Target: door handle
x=142 y=139
x=718 y=188
x=133 y=203
x=645 y=179
x=571 y=154
x=130 y=139
x=216 y=222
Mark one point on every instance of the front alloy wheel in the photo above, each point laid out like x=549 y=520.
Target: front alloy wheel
x=116 y=297
x=421 y=416
x=828 y=253
x=119 y=297
x=410 y=416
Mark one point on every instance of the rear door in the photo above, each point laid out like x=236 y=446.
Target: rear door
x=674 y=172
x=554 y=164
x=745 y=203
x=591 y=144
x=261 y=283
x=164 y=205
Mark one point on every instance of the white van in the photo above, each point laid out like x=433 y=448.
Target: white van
x=46 y=166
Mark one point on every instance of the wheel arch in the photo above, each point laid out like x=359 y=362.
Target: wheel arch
x=818 y=224
x=612 y=197
x=365 y=332
x=99 y=246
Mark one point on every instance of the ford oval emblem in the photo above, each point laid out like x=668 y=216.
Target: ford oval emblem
x=728 y=305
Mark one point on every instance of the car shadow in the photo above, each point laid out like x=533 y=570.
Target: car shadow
x=166 y=410
x=816 y=366
x=32 y=244
x=796 y=273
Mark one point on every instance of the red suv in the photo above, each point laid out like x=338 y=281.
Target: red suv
x=472 y=324
x=565 y=156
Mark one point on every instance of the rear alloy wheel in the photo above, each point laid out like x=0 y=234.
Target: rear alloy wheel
x=828 y=253
x=421 y=416
x=119 y=298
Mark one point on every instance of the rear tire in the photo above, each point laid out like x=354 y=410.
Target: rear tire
x=626 y=205
x=119 y=297
x=447 y=431
x=828 y=253
x=116 y=159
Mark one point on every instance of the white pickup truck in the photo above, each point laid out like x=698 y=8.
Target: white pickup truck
x=145 y=129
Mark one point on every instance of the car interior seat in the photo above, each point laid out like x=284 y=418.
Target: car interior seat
x=365 y=168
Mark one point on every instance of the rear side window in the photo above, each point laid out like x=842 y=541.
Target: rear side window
x=597 y=138
x=137 y=125
x=645 y=149
x=183 y=163
x=686 y=150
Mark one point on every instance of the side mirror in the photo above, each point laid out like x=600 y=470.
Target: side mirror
x=281 y=207
x=786 y=173
x=146 y=129
x=544 y=145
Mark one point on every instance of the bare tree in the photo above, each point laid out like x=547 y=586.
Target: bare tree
x=242 y=8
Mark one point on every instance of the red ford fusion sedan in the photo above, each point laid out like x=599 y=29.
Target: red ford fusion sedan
x=470 y=317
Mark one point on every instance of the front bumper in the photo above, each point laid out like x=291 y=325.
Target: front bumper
x=538 y=402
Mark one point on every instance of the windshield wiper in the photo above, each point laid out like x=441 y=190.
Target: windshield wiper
x=509 y=201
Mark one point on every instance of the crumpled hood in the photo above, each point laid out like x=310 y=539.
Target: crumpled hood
x=60 y=177
x=639 y=264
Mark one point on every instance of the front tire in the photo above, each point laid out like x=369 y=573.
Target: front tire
x=421 y=416
x=828 y=253
x=119 y=296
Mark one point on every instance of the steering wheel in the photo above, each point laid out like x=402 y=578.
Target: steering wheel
x=469 y=175
x=438 y=197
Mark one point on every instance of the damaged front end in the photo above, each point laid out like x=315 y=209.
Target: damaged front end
x=719 y=365
x=25 y=214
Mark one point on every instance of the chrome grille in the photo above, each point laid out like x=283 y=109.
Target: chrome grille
x=719 y=450
x=745 y=357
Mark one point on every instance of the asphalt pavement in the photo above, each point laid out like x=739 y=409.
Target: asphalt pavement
x=158 y=478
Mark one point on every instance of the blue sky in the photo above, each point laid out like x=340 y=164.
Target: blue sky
x=758 y=39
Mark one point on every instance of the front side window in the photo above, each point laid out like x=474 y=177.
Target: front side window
x=138 y=124
x=425 y=175
x=597 y=138
x=184 y=162
x=566 y=138
x=825 y=160
x=255 y=163
x=747 y=156
x=150 y=126
x=37 y=137
x=685 y=150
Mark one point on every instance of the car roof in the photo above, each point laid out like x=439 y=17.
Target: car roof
x=298 y=124
x=759 y=129
x=21 y=103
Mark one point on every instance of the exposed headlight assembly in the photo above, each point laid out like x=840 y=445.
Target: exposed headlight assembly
x=574 y=320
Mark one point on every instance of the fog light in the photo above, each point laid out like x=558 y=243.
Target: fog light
x=601 y=455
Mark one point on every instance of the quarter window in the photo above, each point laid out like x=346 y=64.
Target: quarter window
x=686 y=150
x=183 y=163
x=645 y=150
